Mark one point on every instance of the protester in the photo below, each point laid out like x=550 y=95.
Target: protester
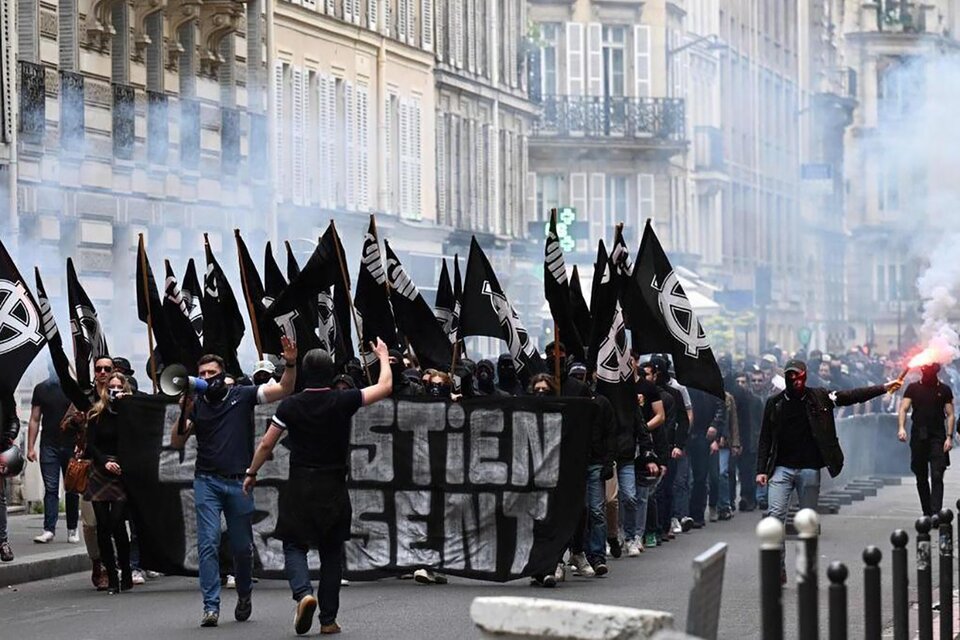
x=222 y=419
x=47 y=408
x=648 y=513
x=930 y=402
x=122 y=365
x=403 y=387
x=507 y=380
x=105 y=489
x=263 y=372
x=799 y=437
x=708 y=423
x=486 y=380
x=314 y=506
x=9 y=430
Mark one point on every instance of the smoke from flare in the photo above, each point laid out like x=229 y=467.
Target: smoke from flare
x=936 y=286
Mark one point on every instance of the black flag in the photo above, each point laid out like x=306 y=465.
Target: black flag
x=150 y=310
x=22 y=326
x=371 y=301
x=222 y=322
x=55 y=344
x=254 y=295
x=177 y=316
x=273 y=281
x=414 y=317
x=320 y=273
x=446 y=304
x=557 y=292
x=89 y=340
x=192 y=298
x=581 y=312
x=487 y=312
x=662 y=319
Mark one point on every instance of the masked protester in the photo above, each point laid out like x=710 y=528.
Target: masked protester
x=403 y=387
x=466 y=372
x=439 y=385
x=543 y=387
x=507 y=379
x=314 y=505
x=222 y=420
x=354 y=369
x=931 y=435
x=487 y=380
x=798 y=437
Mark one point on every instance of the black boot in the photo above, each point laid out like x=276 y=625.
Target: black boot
x=126 y=579
x=113 y=579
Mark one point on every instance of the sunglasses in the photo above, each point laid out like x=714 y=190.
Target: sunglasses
x=103 y=369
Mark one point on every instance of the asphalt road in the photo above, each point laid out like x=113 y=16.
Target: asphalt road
x=69 y=609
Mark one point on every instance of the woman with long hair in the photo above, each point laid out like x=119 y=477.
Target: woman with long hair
x=105 y=488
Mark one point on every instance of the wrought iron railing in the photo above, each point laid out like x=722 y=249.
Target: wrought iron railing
x=611 y=116
x=189 y=133
x=229 y=139
x=124 y=120
x=158 y=131
x=72 y=111
x=33 y=99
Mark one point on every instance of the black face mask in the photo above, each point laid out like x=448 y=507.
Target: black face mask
x=438 y=390
x=397 y=370
x=216 y=388
x=928 y=375
x=540 y=393
x=508 y=375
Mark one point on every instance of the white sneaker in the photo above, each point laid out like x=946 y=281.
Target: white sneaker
x=344 y=582
x=712 y=511
x=231 y=582
x=581 y=567
x=153 y=574
x=72 y=536
x=426 y=576
x=44 y=538
x=560 y=574
x=675 y=526
x=137 y=577
x=630 y=548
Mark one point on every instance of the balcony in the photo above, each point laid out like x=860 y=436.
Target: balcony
x=124 y=120
x=158 y=133
x=72 y=111
x=660 y=119
x=33 y=98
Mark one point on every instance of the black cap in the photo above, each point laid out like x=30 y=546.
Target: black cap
x=798 y=366
x=122 y=365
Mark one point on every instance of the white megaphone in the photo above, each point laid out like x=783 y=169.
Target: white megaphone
x=175 y=381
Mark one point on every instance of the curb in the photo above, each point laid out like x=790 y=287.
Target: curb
x=43 y=566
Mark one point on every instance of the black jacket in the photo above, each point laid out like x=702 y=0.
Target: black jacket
x=820 y=404
x=9 y=422
x=603 y=433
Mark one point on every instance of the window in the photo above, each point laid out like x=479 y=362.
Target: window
x=614 y=71
x=549 y=188
x=899 y=80
x=615 y=201
x=550 y=37
x=888 y=183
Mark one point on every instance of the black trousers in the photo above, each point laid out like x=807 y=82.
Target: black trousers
x=747 y=470
x=928 y=462
x=112 y=529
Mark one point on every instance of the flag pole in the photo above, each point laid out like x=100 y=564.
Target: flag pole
x=146 y=296
x=353 y=310
x=556 y=354
x=456 y=353
x=246 y=295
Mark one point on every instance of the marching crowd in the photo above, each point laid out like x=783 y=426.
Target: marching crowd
x=680 y=460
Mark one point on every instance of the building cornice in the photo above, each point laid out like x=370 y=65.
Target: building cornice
x=511 y=99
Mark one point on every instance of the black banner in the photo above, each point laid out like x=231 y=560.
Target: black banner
x=489 y=488
x=22 y=325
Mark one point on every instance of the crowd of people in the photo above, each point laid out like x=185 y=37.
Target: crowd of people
x=675 y=461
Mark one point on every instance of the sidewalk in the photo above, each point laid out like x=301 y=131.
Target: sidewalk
x=34 y=561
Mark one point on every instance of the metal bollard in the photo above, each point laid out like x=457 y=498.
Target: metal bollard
x=837 y=574
x=872 y=624
x=924 y=580
x=901 y=585
x=770 y=532
x=807 y=524
x=946 y=573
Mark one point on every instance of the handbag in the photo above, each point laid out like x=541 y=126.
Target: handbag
x=78 y=470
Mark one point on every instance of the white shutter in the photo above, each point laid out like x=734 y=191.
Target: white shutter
x=594 y=59
x=363 y=151
x=483 y=172
x=493 y=175
x=328 y=5
x=310 y=131
x=471 y=30
x=372 y=12
x=578 y=193
x=509 y=167
x=417 y=160
x=641 y=60
x=67 y=36
x=403 y=17
x=386 y=26
x=278 y=156
x=426 y=24
x=403 y=149
x=442 y=42
x=388 y=151
x=531 y=213
x=296 y=120
x=28 y=31
x=331 y=121
x=356 y=11
x=442 y=168
x=574 y=59
x=350 y=162
x=310 y=4
x=411 y=23
x=456 y=56
x=645 y=201
x=348 y=10
x=596 y=214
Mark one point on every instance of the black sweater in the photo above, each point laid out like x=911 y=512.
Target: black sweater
x=103 y=438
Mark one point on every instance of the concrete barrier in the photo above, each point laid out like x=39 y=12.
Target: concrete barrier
x=510 y=617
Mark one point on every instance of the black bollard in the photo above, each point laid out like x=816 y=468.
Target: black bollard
x=901 y=585
x=924 y=580
x=872 y=624
x=807 y=525
x=837 y=574
x=770 y=532
x=946 y=573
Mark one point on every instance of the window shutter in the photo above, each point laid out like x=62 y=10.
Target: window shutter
x=471 y=30
x=363 y=152
x=348 y=10
x=155 y=50
x=387 y=27
x=356 y=11
x=350 y=161
x=67 y=36
x=426 y=24
x=403 y=127
x=595 y=59
x=296 y=121
x=328 y=160
x=389 y=149
x=402 y=19
x=278 y=157
x=411 y=23
x=645 y=201
x=597 y=213
x=483 y=167
x=510 y=171
x=372 y=13
x=226 y=71
x=442 y=42
x=575 y=59
x=641 y=60
x=456 y=56
x=310 y=4
x=28 y=32
x=417 y=157
x=441 y=166
x=310 y=130
x=328 y=5
x=493 y=173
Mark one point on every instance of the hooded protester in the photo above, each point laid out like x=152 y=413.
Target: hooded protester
x=403 y=387
x=487 y=380
x=465 y=371
x=507 y=380
x=930 y=403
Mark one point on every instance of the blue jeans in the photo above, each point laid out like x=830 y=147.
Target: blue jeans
x=782 y=484
x=681 y=488
x=627 y=497
x=723 y=464
x=645 y=494
x=214 y=495
x=53 y=462
x=596 y=516
x=331 y=569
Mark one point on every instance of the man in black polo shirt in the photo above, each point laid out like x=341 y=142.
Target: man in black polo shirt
x=931 y=435
x=222 y=419
x=314 y=507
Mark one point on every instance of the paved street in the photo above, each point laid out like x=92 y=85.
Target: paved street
x=67 y=608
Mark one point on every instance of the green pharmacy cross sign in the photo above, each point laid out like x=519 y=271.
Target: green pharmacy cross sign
x=566 y=217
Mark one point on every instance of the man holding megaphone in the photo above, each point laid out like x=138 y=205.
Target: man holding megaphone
x=221 y=416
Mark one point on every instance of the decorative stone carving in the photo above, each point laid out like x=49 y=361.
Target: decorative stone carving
x=218 y=18
x=99 y=24
x=179 y=13
x=143 y=9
